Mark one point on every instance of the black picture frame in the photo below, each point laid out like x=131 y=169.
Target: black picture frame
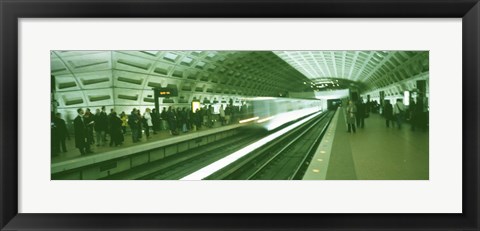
x=12 y=10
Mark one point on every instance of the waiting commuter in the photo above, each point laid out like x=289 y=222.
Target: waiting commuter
x=186 y=120
x=222 y=115
x=89 y=122
x=209 y=112
x=412 y=114
x=180 y=119
x=155 y=121
x=171 y=118
x=422 y=111
x=100 y=126
x=61 y=132
x=124 y=119
x=81 y=133
x=141 y=123
x=198 y=118
x=163 y=117
x=147 y=118
x=388 y=113
x=54 y=139
x=398 y=112
x=134 y=122
x=115 y=124
x=107 y=131
x=361 y=112
x=351 y=111
x=228 y=114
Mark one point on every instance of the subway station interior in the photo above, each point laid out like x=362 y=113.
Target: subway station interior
x=239 y=115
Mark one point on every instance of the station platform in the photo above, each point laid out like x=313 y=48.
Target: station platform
x=108 y=160
x=375 y=152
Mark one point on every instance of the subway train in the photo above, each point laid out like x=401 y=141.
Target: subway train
x=270 y=112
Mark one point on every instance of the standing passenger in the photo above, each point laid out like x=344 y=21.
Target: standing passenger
x=171 y=118
x=123 y=117
x=351 y=111
x=88 y=119
x=388 y=113
x=133 y=121
x=164 y=119
x=360 y=115
x=116 y=136
x=155 y=121
x=210 y=116
x=81 y=133
x=222 y=115
x=198 y=118
x=186 y=119
x=100 y=126
x=62 y=132
x=398 y=111
x=147 y=116
x=141 y=123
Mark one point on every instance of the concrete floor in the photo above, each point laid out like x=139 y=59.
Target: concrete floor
x=378 y=153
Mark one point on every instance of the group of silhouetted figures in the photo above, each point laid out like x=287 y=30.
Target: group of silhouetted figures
x=356 y=114
x=102 y=127
x=416 y=113
x=85 y=125
x=184 y=119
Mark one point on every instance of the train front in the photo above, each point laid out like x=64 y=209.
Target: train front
x=271 y=113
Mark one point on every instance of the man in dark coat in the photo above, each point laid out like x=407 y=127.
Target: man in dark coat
x=361 y=111
x=115 y=125
x=164 y=120
x=155 y=121
x=172 y=120
x=62 y=132
x=101 y=125
x=81 y=133
x=388 y=113
x=134 y=123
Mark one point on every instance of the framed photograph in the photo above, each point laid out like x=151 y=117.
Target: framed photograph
x=161 y=115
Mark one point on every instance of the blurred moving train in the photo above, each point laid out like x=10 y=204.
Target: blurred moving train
x=271 y=112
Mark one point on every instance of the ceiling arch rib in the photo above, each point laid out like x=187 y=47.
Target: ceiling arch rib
x=83 y=74
x=200 y=74
x=364 y=68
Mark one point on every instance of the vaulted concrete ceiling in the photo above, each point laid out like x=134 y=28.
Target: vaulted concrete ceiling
x=95 y=78
x=369 y=69
x=92 y=78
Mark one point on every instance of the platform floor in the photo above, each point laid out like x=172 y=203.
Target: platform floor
x=376 y=152
x=73 y=152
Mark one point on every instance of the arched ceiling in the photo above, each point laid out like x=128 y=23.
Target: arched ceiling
x=91 y=78
x=94 y=78
x=370 y=69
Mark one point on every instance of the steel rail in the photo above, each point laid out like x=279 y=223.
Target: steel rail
x=290 y=143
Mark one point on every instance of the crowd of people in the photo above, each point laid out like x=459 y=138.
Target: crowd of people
x=88 y=126
x=416 y=113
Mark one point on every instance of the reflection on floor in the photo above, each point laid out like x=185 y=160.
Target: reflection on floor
x=376 y=152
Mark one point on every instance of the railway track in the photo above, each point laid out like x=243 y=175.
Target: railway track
x=182 y=164
x=284 y=159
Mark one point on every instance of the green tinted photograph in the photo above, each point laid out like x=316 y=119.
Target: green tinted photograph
x=239 y=115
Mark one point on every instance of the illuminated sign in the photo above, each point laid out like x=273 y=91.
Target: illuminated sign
x=166 y=92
